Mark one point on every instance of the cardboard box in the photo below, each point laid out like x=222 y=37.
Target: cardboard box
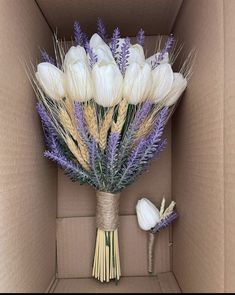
x=47 y=227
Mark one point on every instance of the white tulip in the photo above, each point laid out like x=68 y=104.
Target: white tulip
x=147 y=214
x=78 y=82
x=162 y=80
x=101 y=49
x=74 y=55
x=137 y=83
x=96 y=41
x=103 y=53
x=51 y=79
x=155 y=56
x=178 y=87
x=107 y=82
x=136 y=52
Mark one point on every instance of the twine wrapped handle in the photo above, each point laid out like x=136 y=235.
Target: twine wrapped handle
x=151 y=238
x=107 y=209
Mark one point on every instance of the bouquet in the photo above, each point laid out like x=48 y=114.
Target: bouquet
x=103 y=108
x=153 y=221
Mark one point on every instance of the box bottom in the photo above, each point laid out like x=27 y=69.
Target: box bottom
x=161 y=283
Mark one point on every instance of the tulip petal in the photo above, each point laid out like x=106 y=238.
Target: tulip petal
x=78 y=82
x=107 y=82
x=178 y=87
x=51 y=79
x=162 y=79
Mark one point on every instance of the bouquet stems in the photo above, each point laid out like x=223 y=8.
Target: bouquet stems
x=106 y=265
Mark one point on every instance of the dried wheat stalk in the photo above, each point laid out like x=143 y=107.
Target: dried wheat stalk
x=117 y=127
x=69 y=126
x=91 y=120
x=76 y=152
x=105 y=128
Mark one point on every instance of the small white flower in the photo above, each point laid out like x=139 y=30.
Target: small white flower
x=137 y=83
x=51 y=79
x=107 y=82
x=162 y=79
x=147 y=214
x=178 y=87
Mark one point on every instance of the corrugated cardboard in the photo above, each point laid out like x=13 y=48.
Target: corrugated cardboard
x=155 y=16
x=27 y=181
x=203 y=157
x=164 y=283
x=76 y=242
x=229 y=142
x=198 y=168
x=126 y=284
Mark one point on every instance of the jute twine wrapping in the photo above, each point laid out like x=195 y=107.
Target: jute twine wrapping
x=151 y=238
x=107 y=209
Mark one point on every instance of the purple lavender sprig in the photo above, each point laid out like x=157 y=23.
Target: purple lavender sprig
x=78 y=34
x=114 y=41
x=140 y=37
x=101 y=30
x=48 y=128
x=124 y=55
x=112 y=157
x=140 y=116
x=45 y=57
x=81 y=123
x=165 y=222
x=96 y=165
x=146 y=149
x=92 y=56
x=159 y=57
x=73 y=170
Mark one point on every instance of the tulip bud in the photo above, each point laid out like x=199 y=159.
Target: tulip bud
x=101 y=49
x=147 y=214
x=78 y=82
x=162 y=79
x=51 y=79
x=136 y=52
x=155 y=57
x=103 y=53
x=107 y=82
x=96 y=41
x=74 y=55
x=137 y=83
x=178 y=87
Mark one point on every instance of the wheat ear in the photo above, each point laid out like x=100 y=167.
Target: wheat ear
x=76 y=152
x=169 y=210
x=144 y=128
x=68 y=124
x=117 y=127
x=105 y=128
x=91 y=120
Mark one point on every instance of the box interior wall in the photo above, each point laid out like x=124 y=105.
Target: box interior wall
x=47 y=223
